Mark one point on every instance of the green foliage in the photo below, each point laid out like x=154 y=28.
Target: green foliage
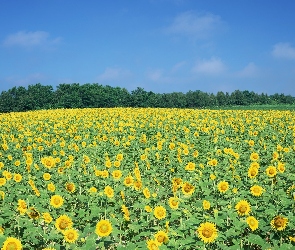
x=74 y=95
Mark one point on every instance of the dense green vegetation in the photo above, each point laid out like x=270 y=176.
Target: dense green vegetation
x=74 y=95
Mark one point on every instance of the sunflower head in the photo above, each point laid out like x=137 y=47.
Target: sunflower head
x=271 y=171
x=223 y=186
x=279 y=223
x=243 y=207
x=63 y=222
x=207 y=232
x=70 y=187
x=161 y=237
x=12 y=243
x=152 y=245
x=160 y=212
x=56 y=201
x=252 y=223
x=103 y=228
x=70 y=235
x=256 y=190
x=173 y=202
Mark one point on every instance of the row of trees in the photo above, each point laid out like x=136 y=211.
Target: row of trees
x=98 y=96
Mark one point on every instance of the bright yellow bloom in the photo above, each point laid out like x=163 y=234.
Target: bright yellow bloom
x=254 y=157
x=279 y=223
x=159 y=212
x=243 y=207
x=56 y=201
x=70 y=187
x=51 y=187
x=152 y=245
x=128 y=181
x=2 y=181
x=252 y=172
x=12 y=244
x=161 y=237
x=256 y=190
x=252 y=223
x=207 y=232
x=17 y=177
x=109 y=192
x=103 y=228
x=187 y=188
x=223 y=186
x=47 y=217
x=46 y=176
x=173 y=202
x=271 y=171
x=148 y=209
x=70 y=235
x=117 y=174
x=206 y=205
x=63 y=222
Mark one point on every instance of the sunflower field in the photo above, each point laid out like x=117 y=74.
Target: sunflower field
x=127 y=178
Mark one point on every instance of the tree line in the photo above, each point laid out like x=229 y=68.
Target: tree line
x=74 y=95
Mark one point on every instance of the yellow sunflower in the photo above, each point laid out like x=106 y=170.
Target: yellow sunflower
x=128 y=181
x=187 y=188
x=70 y=187
x=252 y=172
x=173 y=202
x=103 y=228
x=148 y=209
x=252 y=223
x=206 y=205
x=161 y=237
x=256 y=190
x=159 y=212
x=223 y=186
x=146 y=193
x=33 y=213
x=281 y=167
x=254 y=157
x=11 y=244
x=207 y=232
x=152 y=245
x=279 y=223
x=63 y=222
x=109 y=192
x=46 y=176
x=2 y=181
x=271 y=171
x=56 y=201
x=190 y=166
x=22 y=206
x=70 y=235
x=47 y=217
x=17 y=177
x=51 y=187
x=243 y=207
x=117 y=174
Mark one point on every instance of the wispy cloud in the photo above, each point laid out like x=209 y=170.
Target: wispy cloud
x=114 y=73
x=213 y=66
x=178 y=66
x=250 y=70
x=283 y=50
x=195 y=24
x=155 y=75
x=30 y=39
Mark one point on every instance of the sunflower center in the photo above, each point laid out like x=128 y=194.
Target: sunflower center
x=56 y=201
x=160 y=213
x=243 y=208
x=104 y=228
x=70 y=236
x=253 y=172
x=160 y=238
x=207 y=232
x=279 y=222
x=174 y=202
x=223 y=187
x=63 y=224
x=252 y=223
x=271 y=171
x=11 y=246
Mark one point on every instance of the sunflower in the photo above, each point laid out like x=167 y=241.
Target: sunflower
x=11 y=244
x=128 y=181
x=146 y=193
x=70 y=187
x=2 y=181
x=160 y=212
x=207 y=232
x=109 y=192
x=190 y=166
x=33 y=213
x=161 y=237
x=17 y=177
x=117 y=164
x=148 y=209
x=243 y=207
x=256 y=190
x=252 y=223
x=46 y=176
x=254 y=157
x=117 y=174
x=173 y=202
x=206 y=205
x=152 y=245
x=279 y=223
x=187 y=188
x=252 y=172
x=70 y=235
x=63 y=222
x=137 y=185
x=47 y=217
x=103 y=228
x=119 y=157
x=22 y=206
x=56 y=201
x=93 y=190
x=281 y=167
x=271 y=171
x=223 y=186
x=51 y=187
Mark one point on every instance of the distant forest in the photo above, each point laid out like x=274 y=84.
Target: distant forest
x=74 y=95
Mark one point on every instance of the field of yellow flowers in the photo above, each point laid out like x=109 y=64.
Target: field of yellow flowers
x=147 y=179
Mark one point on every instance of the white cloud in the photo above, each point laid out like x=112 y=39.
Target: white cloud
x=30 y=39
x=155 y=75
x=196 y=25
x=111 y=74
x=283 y=50
x=178 y=66
x=251 y=70
x=213 y=66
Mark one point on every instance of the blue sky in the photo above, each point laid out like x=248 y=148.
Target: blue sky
x=160 y=45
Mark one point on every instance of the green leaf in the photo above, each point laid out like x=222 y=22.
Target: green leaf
x=256 y=239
